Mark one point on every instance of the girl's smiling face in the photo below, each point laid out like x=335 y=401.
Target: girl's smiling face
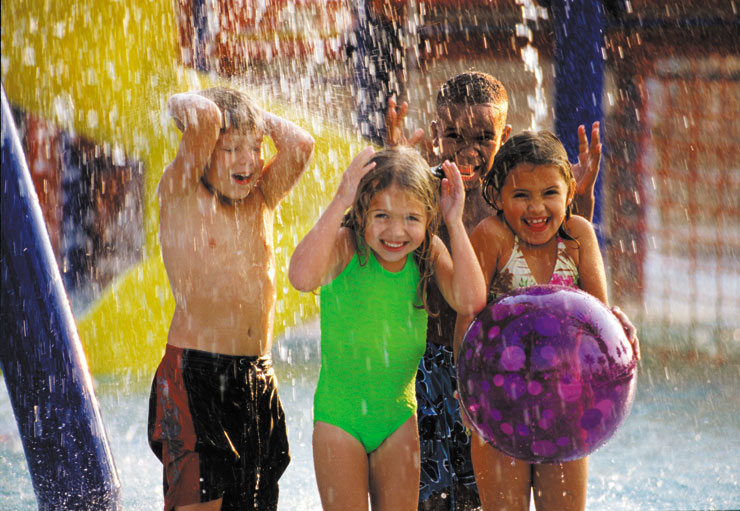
x=236 y=164
x=396 y=226
x=534 y=200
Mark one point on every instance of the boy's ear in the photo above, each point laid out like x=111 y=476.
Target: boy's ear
x=435 y=136
x=505 y=133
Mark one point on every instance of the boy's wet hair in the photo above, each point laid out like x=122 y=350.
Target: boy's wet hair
x=535 y=148
x=473 y=88
x=238 y=110
x=405 y=168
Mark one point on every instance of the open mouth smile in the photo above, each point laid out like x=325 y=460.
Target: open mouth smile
x=242 y=179
x=394 y=246
x=537 y=224
x=467 y=172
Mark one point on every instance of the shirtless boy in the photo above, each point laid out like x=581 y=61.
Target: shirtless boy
x=215 y=419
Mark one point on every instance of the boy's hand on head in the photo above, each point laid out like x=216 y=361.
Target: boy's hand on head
x=354 y=173
x=589 y=159
x=394 y=118
x=453 y=193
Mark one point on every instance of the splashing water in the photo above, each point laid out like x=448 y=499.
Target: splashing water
x=681 y=417
x=536 y=101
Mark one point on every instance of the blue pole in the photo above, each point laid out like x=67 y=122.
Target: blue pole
x=41 y=357
x=579 y=73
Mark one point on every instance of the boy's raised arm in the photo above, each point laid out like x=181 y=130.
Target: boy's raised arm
x=294 y=149
x=200 y=120
x=586 y=171
x=394 y=118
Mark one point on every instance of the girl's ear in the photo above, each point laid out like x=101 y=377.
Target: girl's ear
x=497 y=201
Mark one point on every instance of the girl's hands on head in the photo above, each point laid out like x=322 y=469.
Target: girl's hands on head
x=452 y=201
x=326 y=249
x=352 y=176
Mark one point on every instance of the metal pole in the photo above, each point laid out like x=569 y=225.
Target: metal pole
x=579 y=73
x=41 y=357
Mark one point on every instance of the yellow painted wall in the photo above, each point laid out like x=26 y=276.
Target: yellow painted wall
x=105 y=69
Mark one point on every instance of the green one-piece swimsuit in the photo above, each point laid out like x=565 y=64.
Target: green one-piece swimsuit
x=373 y=334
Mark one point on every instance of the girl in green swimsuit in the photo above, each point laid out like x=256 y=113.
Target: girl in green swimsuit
x=373 y=265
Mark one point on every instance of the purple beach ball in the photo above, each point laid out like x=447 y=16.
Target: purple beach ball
x=546 y=374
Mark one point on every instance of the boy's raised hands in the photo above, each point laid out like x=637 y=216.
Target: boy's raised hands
x=394 y=118
x=587 y=170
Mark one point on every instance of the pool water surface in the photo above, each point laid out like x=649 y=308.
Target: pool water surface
x=679 y=448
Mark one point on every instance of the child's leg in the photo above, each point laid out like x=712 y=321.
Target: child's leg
x=561 y=486
x=503 y=482
x=341 y=467
x=214 y=505
x=394 y=470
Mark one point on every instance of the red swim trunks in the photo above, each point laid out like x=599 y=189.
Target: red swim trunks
x=217 y=425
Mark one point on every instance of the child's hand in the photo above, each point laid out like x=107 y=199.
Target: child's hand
x=589 y=159
x=629 y=330
x=394 y=126
x=463 y=415
x=453 y=193
x=352 y=176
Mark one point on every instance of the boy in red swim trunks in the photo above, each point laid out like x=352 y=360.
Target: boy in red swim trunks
x=215 y=419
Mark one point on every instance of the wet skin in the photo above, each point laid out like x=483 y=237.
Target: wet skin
x=236 y=164
x=469 y=135
x=535 y=199
x=396 y=227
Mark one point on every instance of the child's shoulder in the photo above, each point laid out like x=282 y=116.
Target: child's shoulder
x=578 y=227
x=493 y=227
x=492 y=240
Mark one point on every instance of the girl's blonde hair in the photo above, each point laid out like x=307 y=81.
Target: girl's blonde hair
x=406 y=169
x=535 y=148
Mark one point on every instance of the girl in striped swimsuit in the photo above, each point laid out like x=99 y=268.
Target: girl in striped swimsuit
x=533 y=239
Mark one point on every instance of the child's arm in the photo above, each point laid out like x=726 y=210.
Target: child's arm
x=327 y=248
x=294 y=148
x=199 y=119
x=457 y=272
x=586 y=171
x=591 y=271
x=487 y=240
x=593 y=276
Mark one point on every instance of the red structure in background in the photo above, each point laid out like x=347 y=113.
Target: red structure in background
x=229 y=36
x=44 y=149
x=673 y=172
x=671 y=208
x=91 y=200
